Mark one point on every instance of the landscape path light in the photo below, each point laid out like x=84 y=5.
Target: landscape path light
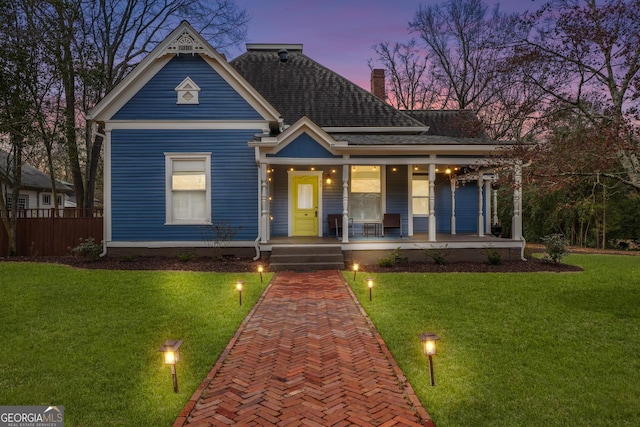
x=260 y=270
x=429 y=349
x=239 y=287
x=370 y=285
x=355 y=270
x=171 y=353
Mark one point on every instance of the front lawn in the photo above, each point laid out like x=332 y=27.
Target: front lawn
x=88 y=339
x=519 y=349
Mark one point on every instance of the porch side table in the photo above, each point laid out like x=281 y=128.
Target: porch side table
x=372 y=228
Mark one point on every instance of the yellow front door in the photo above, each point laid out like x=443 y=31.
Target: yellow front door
x=305 y=206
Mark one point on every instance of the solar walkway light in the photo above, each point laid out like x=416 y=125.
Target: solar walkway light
x=260 y=270
x=239 y=287
x=355 y=270
x=370 y=285
x=171 y=350
x=429 y=348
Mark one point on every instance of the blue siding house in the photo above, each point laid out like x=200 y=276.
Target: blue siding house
x=283 y=151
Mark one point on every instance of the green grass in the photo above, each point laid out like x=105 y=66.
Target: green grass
x=518 y=349
x=88 y=339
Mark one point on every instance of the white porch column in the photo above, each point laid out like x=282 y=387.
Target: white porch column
x=517 y=201
x=453 y=206
x=495 y=203
x=480 y=213
x=487 y=197
x=264 y=204
x=410 y=200
x=432 y=202
x=345 y=203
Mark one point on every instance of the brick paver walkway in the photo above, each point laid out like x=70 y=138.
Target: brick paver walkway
x=306 y=355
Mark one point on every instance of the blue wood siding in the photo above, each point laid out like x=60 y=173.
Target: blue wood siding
x=443 y=204
x=305 y=147
x=397 y=196
x=332 y=196
x=138 y=182
x=279 y=202
x=157 y=99
x=467 y=208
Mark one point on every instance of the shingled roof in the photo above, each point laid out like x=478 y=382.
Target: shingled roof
x=32 y=178
x=302 y=87
x=451 y=123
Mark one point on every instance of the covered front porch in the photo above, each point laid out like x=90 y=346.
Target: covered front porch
x=368 y=249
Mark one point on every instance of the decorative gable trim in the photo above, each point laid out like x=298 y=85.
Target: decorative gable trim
x=187 y=92
x=186 y=43
x=177 y=43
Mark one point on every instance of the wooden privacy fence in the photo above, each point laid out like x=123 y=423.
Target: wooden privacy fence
x=47 y=233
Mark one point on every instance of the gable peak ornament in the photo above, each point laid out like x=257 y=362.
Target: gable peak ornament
x=186 y=43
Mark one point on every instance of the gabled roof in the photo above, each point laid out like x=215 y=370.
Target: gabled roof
x=183 y=40
x=301 y=87
x=32 y=178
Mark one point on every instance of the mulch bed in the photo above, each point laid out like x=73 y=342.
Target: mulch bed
x=231 y=265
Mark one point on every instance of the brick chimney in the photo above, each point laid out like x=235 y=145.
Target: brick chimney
x=377 y=84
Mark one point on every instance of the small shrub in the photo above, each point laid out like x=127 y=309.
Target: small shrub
x=89 y=248
x=185 y=257
x=438 y=255
x=217 y=236
x=556 y=247
x=385 y=262
x=493 y=256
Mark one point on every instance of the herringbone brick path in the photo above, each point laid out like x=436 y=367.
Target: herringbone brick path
x=306 y=355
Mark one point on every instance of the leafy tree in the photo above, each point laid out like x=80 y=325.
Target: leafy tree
x=585 y=56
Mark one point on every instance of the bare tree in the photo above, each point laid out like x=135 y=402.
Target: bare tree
x=585 y=56
x=18 y=69
x=97 y=42
x=462 y=38
x=411 y=86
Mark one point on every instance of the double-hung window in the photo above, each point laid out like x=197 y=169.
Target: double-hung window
x=188 y=188
x=420 y=194
x=366 y=193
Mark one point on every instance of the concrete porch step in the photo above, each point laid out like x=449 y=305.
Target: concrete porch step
x=306 y=258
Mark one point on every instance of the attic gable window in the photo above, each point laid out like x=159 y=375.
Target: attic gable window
x=187 y=92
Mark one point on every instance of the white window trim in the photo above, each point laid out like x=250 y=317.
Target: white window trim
x=412 y=197
x=383 y=194
x=168 y=159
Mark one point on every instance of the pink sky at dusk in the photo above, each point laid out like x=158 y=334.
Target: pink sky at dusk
x=339 y=34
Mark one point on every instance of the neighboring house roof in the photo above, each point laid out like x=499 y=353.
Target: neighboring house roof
x=301 y=87
x=32 y=178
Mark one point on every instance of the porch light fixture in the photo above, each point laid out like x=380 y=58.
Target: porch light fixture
x=260 y=270
x=370 y=286
x=355 y=270
x=239 y=287
x=328 y=181
x=447 y=171
x=429 y=349
x=171 y=351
